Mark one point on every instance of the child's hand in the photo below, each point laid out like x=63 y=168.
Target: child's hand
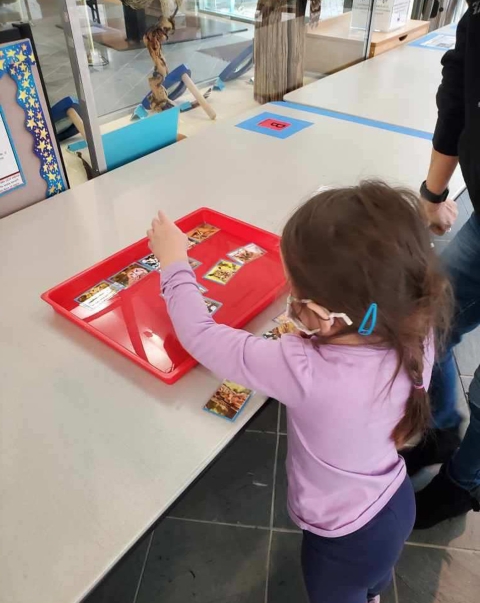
x=167 y=242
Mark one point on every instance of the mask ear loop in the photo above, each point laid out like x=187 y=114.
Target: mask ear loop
x=343 y=316
x=331 y=315
x=370 y=316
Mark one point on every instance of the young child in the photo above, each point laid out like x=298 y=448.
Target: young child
x=367 y=290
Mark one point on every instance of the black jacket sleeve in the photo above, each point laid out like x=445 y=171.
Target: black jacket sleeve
x=451 y=95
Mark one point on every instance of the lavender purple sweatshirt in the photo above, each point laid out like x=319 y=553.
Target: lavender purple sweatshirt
x=342 y=464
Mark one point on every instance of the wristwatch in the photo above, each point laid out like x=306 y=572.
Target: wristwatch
x=432 y=197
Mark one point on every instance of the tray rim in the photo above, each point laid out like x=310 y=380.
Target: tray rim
x=189 y=363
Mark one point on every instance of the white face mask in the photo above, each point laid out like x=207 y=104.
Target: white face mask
x=318 y=310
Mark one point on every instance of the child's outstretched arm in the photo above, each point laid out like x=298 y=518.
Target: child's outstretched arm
x=276 y=368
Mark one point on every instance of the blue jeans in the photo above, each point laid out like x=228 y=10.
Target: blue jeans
x=462 y=262
x=359 y=566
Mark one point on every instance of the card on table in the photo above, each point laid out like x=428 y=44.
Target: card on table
x=191 y=243
x=246 y=254
x=222 y=272
x=212 y=305
x=129 y=275
x=281 y=318
x=201 y=288
x=150 y=262
x=202 y=232
x=228 y=400
x=194 y=263
x=97 y=296
x=282 y=329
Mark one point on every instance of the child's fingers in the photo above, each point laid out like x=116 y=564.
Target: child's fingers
x=162 y=217
x=150 y=233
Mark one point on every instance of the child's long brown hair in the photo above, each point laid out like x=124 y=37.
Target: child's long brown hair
x=346 y=248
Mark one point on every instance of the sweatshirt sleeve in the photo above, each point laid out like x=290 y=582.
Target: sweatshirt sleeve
x=279 y=369
x=451 y=95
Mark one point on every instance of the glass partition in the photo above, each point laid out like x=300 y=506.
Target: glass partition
x=120 y=61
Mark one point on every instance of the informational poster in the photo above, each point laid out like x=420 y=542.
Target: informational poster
x=442 y=42
x=31 y=167
x=11 y=176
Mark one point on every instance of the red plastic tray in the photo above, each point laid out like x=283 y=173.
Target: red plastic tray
x=135 y=321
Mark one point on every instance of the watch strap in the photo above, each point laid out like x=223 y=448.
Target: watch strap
x=433 y=197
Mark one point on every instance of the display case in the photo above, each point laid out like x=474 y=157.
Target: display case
x=236 y=9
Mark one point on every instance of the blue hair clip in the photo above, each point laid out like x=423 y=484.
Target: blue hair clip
x=370 y=315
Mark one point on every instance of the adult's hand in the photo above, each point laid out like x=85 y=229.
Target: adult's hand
x=440 y=216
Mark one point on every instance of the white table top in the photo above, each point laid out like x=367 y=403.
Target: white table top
x=93 y=449
x=397 y=87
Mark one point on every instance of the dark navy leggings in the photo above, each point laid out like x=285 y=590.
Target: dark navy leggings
x=359 y=566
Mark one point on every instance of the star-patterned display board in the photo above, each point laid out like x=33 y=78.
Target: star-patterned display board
x=16 y=60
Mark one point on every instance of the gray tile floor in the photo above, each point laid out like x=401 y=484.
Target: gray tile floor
x=123 y=82
x=229 y=539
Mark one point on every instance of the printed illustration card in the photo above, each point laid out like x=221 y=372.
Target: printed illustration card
x=281 y=318
x=222 y=272
x=194 y=263
x=212 y=305
x=246 y=254
x=97 y=296
x=229 y=399
x=150 y=262
x=202 y=233
x=282 y=329
x=129 y=275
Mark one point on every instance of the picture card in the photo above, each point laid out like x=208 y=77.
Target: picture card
x=212 y=305
x=129 y=275
x=202 y=232
x=194 y=263
x=222 y=272
x=246 y=254
x=281 y=318
x=150 y=262
x=202 y=289
x=228 y=400
x=282 y=329
x=97 y=296
x=191 y=243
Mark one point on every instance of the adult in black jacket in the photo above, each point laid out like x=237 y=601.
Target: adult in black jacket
x=456 y=490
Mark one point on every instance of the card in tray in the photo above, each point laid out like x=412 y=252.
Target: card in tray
x=212 y=305
x=97 y=296
x=246 y=254
x=150 y=262
x=202 y=232
x=222 y=272
x=129 y=275
x=228 y=400
x=194 y=263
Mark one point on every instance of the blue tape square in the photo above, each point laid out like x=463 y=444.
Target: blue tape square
x=272 y=124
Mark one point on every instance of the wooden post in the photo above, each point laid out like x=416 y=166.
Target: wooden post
x=279 y=48
x=198 y=96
